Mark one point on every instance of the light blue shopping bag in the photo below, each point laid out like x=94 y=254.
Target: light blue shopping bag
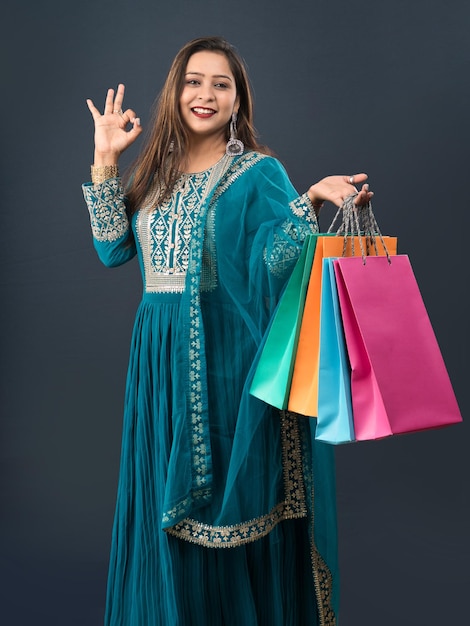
x=335 y=417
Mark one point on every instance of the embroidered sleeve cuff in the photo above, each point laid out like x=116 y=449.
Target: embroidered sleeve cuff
x=286 y=245
x=107 y=209
x=302 y=207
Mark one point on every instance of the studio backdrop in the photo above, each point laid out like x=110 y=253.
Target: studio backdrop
x=374 y=86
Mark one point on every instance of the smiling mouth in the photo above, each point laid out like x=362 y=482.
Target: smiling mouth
x=202 y=111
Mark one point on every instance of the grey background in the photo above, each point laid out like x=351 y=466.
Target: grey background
x=340 y=87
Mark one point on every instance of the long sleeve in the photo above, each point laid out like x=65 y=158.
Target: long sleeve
x=282 y=240
x=112 y=235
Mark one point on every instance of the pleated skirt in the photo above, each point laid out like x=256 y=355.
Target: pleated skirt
x=156 y=579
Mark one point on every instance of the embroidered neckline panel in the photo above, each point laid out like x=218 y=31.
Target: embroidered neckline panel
x=165 y=232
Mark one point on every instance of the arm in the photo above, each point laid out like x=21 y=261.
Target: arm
x=284 y=242
x=112 y=235
x=278 y=221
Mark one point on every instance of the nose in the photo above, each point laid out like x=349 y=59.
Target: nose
x=206 y=93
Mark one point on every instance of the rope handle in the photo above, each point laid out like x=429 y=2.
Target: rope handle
x=358 y=221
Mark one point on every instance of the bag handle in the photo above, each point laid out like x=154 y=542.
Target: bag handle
x=358 y=221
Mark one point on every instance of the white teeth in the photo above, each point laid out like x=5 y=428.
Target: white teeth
x=202 y=111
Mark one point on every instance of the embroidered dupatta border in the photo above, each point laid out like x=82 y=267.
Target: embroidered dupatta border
x=293 y=506
x=198 y=421
x=323 y=588
x=322 y=577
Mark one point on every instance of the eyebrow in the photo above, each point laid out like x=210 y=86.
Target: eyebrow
x=215 y=75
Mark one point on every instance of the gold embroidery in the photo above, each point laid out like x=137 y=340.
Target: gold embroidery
x=165 y=232
x=287 y=242
x=230 y=536
x=322 y=578
x=209 y=258
x=292 y=464
x=286 y=247
x=302 y=207
x=107 y=210
x=201 y=456
x=293 y=506
x=323 y=588
x=237 y=169
x=176 y=511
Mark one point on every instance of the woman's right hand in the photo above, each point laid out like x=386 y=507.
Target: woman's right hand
x=111 y=136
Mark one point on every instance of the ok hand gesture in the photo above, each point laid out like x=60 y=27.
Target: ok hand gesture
x=111 y=134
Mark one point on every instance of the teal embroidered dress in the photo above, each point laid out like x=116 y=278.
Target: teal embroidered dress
x=225 y=511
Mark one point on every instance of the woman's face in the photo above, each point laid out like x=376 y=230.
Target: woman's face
x=209 y=95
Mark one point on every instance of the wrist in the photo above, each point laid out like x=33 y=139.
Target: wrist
x=317 y=201
x=100 y=173
x=101 y=159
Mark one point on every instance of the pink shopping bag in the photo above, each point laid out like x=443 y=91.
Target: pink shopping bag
x=399 y=382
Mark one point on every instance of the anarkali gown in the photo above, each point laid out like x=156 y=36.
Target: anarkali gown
x=225 y=512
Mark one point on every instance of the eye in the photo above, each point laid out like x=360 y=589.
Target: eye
x=221 y=85
x=192 y=81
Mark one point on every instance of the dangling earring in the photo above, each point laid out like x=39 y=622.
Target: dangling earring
x=234 y=146
x=171 y=147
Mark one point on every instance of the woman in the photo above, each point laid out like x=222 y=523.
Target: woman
x=226 y=507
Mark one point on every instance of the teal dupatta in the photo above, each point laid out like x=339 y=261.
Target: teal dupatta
x=195 y=412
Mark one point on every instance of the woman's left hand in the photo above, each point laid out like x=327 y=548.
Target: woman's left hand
x=336 y=189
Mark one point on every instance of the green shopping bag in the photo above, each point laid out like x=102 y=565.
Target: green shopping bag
x=273 y=375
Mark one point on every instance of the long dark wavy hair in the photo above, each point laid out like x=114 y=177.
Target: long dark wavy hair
x=167 y=141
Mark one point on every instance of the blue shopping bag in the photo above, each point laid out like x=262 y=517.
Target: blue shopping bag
x=335 y=417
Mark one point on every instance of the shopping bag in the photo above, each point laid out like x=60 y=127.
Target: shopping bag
x=273 y=374
x=303 y=396
x=399 y=382
x=335 y=418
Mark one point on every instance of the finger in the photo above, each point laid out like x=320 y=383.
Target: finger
x=109 y=102
x=356 y=179
x=364 y=196
x=93 y=110
x=128 y=116
x=118 y=100
x=136 y=126
x=364 y=192
x=358 y=201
